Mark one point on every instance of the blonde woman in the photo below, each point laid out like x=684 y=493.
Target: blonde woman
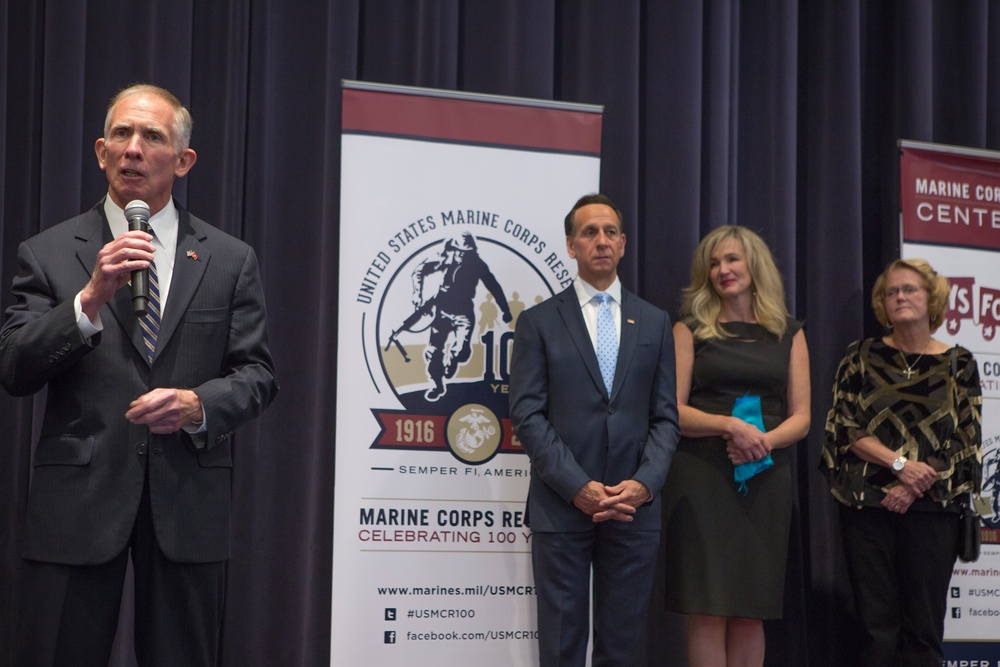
x=736 y=346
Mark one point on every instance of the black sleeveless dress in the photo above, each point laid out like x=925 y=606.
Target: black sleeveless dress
x=726 y=551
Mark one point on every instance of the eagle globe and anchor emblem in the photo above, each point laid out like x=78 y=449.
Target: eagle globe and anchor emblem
x=469 y=432
x=449 y=312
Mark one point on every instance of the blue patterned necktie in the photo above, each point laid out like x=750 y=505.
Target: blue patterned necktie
x=607 y=340
x=150 y=323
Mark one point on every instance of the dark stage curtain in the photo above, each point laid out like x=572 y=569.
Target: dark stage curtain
x=782 y=116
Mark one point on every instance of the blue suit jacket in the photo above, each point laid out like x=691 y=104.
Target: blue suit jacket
x=90 y=462
x=569 y=426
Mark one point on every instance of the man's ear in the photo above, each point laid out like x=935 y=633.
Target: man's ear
x=102 y=153
x=186 y=160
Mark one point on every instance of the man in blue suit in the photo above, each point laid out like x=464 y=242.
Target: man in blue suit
x=592 y=400
x=134 y=459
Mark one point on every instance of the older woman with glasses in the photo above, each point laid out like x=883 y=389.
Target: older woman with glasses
x=903 y=450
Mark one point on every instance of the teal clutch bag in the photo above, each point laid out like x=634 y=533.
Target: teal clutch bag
x=747 y=408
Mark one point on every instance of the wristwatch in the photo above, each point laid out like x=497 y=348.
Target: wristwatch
x=897 y=465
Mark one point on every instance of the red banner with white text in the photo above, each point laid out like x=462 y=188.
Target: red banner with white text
x=950 y=216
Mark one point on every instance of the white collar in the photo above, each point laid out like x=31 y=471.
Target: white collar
x=585 y=292
x=164 y=224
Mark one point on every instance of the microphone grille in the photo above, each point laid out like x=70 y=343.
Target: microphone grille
x=137 y=209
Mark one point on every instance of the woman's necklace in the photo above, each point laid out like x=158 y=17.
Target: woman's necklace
x=910 y=368
x=909 y=371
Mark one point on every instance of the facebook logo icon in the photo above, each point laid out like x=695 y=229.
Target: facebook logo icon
x=390 y=637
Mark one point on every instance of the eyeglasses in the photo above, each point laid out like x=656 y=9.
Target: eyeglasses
x=907 y=290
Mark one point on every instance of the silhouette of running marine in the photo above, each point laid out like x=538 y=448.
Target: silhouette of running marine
x=451 y=307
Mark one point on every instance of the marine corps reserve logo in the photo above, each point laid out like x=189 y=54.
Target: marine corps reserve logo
x=473 y=433
x=440 y=340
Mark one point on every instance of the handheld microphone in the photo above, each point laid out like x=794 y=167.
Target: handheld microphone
x=137 y=214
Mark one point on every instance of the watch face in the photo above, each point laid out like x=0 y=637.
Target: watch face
x=898 y=463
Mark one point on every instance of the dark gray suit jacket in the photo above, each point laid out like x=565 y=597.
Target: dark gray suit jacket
x=89 y=463
x=571 y=429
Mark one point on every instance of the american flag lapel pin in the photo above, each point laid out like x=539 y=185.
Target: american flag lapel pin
x=630 y=321
x=192 y=254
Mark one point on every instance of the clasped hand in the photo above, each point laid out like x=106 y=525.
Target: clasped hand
x=898 y=499
x=918 y=477
x=915 y=479
x=745 y=442
x=166 y=410
x=611 y=503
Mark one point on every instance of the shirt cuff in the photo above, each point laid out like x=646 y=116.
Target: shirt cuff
x=192 y=429
x=83 y=323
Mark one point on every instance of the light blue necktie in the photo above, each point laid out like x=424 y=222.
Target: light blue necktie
x=607 y=340
x=150 y=323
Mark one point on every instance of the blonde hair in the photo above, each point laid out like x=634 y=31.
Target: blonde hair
x=936 y=285
x=701 y=304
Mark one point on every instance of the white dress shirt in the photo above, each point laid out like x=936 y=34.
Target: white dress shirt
x=585 y=293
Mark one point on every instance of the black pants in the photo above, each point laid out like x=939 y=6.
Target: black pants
x=900 y=567
x=68 y=614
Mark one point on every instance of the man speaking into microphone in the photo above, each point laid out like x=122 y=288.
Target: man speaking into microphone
x=134 y=459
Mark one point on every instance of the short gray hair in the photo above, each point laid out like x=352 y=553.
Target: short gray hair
x=183 y=123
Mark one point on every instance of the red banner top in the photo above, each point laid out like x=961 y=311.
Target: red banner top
x=476 y=121
x=950 y=199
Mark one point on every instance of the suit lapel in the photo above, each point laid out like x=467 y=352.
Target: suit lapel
x=630 y=333
x=92 y=233
x=569 y=309
x=190 y=261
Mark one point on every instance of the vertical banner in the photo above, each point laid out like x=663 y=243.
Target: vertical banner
x=950 y=211
x=451 y=224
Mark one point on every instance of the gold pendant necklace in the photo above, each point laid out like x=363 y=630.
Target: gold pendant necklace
x=909 y=371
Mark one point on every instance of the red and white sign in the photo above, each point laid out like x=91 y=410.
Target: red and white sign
x=451 y=225
x=950 y=215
